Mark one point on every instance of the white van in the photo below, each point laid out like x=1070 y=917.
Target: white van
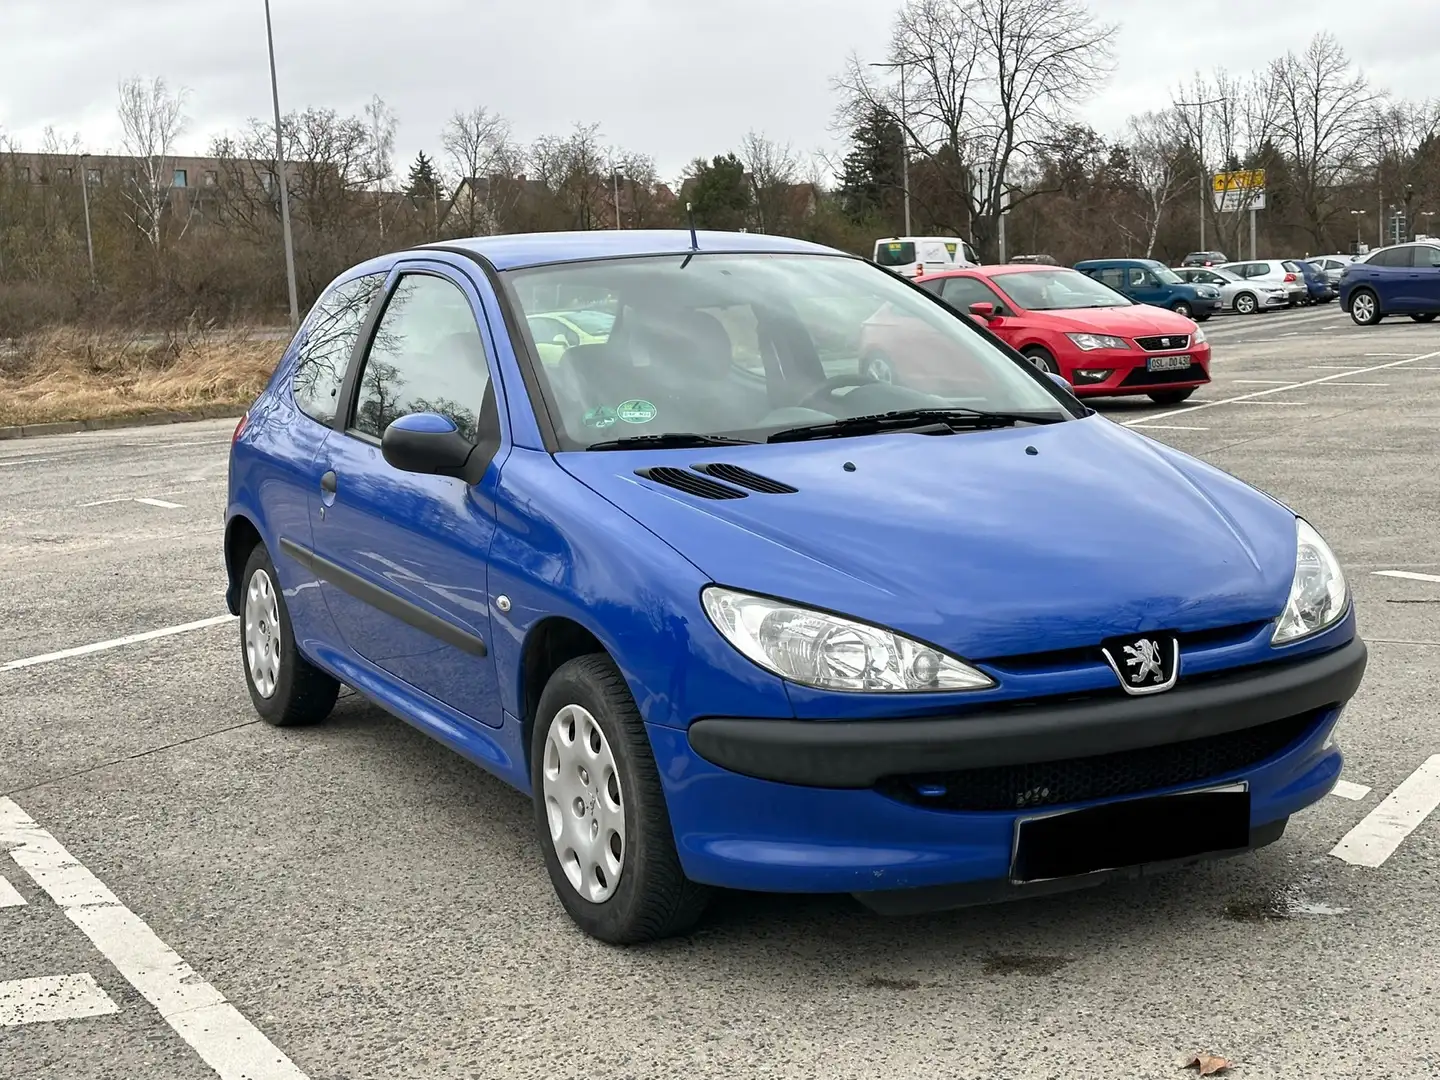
x=913 y=255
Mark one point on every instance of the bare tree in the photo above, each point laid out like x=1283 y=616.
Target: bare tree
x=152 y=118
x=1154 y=140
x=481 y=152
x=1326 y=111
x=383 y=125
x=774 y=169
x=990 y=84
x=573 y=168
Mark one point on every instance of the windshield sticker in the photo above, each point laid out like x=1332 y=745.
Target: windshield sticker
x=635 y=411
x=602 y=416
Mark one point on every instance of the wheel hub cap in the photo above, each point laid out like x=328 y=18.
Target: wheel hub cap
x=262 y=636
x=584 y=806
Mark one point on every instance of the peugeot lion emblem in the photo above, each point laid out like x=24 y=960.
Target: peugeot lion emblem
x=1144 y=664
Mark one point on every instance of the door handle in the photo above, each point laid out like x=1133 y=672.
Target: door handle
x=327 y=482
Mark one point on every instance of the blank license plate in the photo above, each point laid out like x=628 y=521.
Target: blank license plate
x=1167 y=363
x=1131 y=833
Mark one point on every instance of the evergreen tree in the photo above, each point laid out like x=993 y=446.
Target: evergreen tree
x=720 y=193
x=873 y=179
x=424 y=183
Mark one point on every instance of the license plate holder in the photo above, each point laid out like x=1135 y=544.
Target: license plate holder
x=1130 y=832
x=1167 y=363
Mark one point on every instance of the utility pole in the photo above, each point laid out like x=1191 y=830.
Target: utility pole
x=615 y=177
x=281 y=178
x=85 y=198
x=904 y=141
x=1199 y=107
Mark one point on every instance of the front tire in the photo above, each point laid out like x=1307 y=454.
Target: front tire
x=1246 y=304
x=1042 y=359
x=1170 y=397
x=600 y=810
x=1365 y=308
x=1182 y=308
x=285 y=688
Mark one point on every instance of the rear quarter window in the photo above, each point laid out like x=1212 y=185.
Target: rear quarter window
x=329 y=340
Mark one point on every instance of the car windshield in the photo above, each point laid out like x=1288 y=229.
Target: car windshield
x=1165 y=274
x=1058 y=290
x=742 y=346
x=896 y=253
x=1228 y=275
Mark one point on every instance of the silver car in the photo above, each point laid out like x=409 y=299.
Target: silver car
x=1332 y=266
x=1285 y=272
x=1238 y=294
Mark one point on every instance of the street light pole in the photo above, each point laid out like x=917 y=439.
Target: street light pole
x=1199 y=107
x=280 y=176
x=904 y=141
x=85 y=198
x=1357 y=215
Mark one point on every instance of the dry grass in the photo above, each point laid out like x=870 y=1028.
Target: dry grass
x=68 y=374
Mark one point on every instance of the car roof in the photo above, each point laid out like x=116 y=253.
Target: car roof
x=1119 y=262
x=514 y=250
x=993 y=268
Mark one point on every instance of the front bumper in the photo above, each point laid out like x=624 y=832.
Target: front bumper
x=1126 y=372
x=813 y=806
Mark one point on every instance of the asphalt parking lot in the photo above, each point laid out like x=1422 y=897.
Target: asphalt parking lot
x=354 y=900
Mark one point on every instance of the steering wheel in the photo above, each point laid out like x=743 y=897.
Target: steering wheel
x=830 y=385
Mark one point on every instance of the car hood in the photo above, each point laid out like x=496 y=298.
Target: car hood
x=989 y=544
x=1140 y=320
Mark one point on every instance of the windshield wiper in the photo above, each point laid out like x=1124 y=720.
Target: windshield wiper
x=669 y=440
x=920 y=421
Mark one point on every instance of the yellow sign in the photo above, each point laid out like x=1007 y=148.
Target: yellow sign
x=1241 y=180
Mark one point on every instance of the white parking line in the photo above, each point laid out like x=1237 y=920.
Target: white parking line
x=233 y=1047
x=9 y=895
x=1380 y=832
x=1346 y=790
x=1280 y=389
x=1270 y=402
x=24 y=461
x=1172 y=427
x=1409 y=575
x=160 y=503
x=1263 y=382
x=114 y=643
x=51 y=998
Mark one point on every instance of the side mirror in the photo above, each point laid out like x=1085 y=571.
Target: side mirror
x=426 y=443
x=559 y=339
x=1064 y=382
x=983 y=310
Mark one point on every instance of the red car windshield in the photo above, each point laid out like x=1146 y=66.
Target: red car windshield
x=1058 y=290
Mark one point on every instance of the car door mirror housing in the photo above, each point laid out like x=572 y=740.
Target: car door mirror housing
x=1061 y=380
x=983 y=310
x=426 y=443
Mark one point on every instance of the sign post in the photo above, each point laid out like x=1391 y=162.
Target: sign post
x=1242 y=189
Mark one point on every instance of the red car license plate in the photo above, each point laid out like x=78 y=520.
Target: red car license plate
x=1167 y=363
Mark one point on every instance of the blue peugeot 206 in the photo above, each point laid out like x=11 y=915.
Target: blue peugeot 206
x=733 y=613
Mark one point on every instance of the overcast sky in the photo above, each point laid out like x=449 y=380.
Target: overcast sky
x=672 y=78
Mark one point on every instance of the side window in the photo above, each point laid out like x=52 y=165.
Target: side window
x=427 y=356
x=1137 y=278
x=1428 y=257
x=1393 y=257
x=545 y=330
x=961 y=292
x=1114 y=277
x=330 y=337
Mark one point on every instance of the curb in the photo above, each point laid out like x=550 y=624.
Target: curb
x=110 y=423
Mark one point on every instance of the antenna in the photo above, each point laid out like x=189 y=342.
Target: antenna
x=690 y=216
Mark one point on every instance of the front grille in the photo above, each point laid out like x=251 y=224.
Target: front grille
x=1167 y=343
x=1105 y=776
x=1141 y=377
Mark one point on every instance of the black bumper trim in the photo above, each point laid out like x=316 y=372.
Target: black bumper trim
x=858 y=753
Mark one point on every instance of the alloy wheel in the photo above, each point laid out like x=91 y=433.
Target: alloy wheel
x=262 y=633
x=584 y=804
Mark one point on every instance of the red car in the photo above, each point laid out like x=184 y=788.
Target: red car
x=1065 y=322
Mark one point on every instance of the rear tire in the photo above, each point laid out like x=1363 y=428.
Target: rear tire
x=285 y=688
x=644 y=895
x=1246 y=304
x=1428 y=316
x=1170 y=397
x=1365 y=307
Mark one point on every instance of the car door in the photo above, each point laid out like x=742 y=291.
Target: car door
x=403 y=556
x=961 y=291
x=1427 y=267
x=1395 y=280
x=1145 y=288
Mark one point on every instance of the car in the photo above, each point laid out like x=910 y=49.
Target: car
x=1317 y=286
x=1284 y=272
x=1332 y=266
x=1403 y=279
x=1237 y=294
x=556 y=331
x=739 y=622
x=1204 y=258
x=1149 y=281
x=1063 y=322
x=912 y=256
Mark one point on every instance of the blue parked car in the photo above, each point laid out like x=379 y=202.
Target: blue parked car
x=1149 y=281
x=1318 y=289
x=734 y=613
x=1399 y=280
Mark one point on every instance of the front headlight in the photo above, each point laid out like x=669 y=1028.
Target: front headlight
x=829 y=652
x=1318 y=595
x=1197 y=338
x=1090 y=342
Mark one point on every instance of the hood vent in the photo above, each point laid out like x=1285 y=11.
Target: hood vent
x=734 y=474
x=692 y=483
